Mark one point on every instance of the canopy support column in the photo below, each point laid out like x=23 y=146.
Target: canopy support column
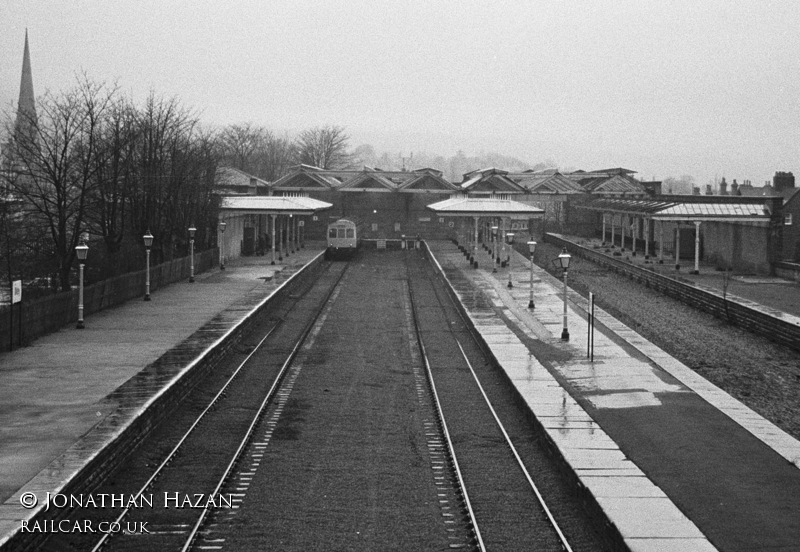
x=475 y=245
x=661 y=242
x=604 y=228
x=503 y=239
x=272 y=236
x=697 y=247
x=290 y=234
x=677 y=246
x=280 y=240
x=613 y=228
x=646 y=238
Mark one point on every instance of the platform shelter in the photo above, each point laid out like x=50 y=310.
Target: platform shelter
x=492 y=217
x=245 y=224
x=747 y=223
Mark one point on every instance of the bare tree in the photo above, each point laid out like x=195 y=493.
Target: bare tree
x=55 y=164
x=256 y=151
x=165 y=130
x=240 y=145
x=108 y=203
x=324 y=147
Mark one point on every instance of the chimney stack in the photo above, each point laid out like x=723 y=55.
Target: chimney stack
x=723 y=187
x=783 y=181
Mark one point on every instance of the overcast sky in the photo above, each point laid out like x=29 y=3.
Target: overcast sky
x=706 y=88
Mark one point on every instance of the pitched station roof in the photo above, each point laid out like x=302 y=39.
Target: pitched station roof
x=230 y=178
x=489 y=180
x=273 y=205
x=546 y=182
x=484 y=207
x=419 y=180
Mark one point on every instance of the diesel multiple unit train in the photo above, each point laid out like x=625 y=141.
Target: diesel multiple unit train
x=343 y=238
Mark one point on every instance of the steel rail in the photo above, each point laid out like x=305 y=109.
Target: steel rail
x=186 y=435
x=264 y=404
x=564 y=543
x=443 y=424
x=522 y=467
x=106 y=536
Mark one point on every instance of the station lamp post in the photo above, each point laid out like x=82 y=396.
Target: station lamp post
x=564 y=258
x=222 y=225
x=531 y=249
x=81 y=251
x=192 y=230
x=510 y=240
x=148 y=243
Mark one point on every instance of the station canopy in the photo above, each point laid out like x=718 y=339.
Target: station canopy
x=485 y=207
x=272 y=205
x=682 y=211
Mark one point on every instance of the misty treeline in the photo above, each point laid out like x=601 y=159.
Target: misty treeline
x=453 y=168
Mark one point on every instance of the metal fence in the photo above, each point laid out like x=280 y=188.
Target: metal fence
x=39 y=317
x=779 y=330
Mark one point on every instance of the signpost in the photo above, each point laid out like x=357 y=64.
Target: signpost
x=16 y=291
x=16 y=297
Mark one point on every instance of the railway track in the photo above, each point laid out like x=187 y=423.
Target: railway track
x=168 y=508
x=501 y=499
x=350 y=449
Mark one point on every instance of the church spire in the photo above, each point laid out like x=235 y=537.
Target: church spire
x=26 y=107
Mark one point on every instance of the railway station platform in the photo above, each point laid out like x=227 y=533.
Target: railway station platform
x=69 y=394
x=674 y=462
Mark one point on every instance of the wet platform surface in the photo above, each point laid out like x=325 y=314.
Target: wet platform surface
x=70 y=393
x=674 y=462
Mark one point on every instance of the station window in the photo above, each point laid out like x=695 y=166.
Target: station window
x=787 y=219
x=396 y=226
x=374 y=226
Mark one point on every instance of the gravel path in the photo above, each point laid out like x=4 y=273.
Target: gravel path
x=763 y=375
